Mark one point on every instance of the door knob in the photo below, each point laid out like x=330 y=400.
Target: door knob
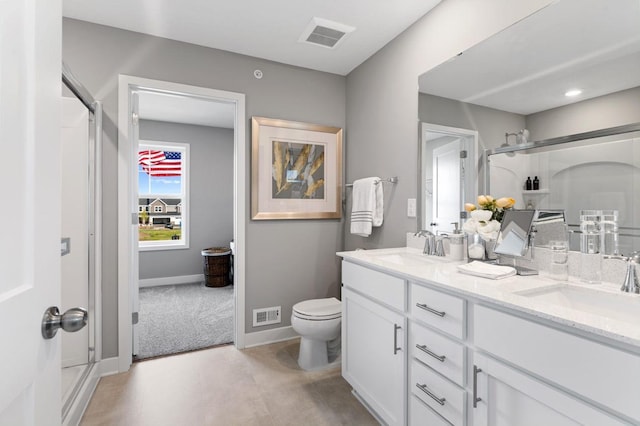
x=72 y=320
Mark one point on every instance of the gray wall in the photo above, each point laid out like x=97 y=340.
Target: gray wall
x=210 y=196
x=382 y=101
x=287 y=261
x=611 y=110
x=490 y=123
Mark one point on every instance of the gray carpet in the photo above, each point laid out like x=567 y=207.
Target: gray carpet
x=179 y=318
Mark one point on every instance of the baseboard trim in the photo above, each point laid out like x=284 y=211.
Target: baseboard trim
x=109 y=366
x=265 y=337
x=180 y=279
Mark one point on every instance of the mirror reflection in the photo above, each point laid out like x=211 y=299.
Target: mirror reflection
x=513 y=239
x=547 y=77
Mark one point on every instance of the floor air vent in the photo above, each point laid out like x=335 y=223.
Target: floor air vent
x=325 y=33
x=266 y=316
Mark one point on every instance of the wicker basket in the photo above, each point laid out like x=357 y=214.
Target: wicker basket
x=217 y=265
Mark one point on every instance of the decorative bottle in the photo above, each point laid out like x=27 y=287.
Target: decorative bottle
x=536 y=183
x=527 y=183
x=456 y=243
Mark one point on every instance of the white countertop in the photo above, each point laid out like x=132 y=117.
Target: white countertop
x=442 y=272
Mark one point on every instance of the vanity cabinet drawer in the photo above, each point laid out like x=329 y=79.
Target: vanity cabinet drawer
x=438 y=309
x=444 y=355
x=592 y=369
x=442 y=396
x=379 y=286
x=420 y=414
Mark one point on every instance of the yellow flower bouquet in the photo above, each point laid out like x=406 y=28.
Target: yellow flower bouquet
x=487 y=216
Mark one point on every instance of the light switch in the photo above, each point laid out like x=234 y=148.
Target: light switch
x=411 y=207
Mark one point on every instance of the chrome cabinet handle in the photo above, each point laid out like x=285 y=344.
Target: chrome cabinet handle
x=72 y=320
x=424 y=389
x=428 y=309
x=424 y=349
x=476 y=370
x=396 y=327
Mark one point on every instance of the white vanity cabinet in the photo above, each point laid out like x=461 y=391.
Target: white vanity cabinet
x=586 y=368
x=437 y=354
x=373 y=340
x=505 y=396
x=423 y=353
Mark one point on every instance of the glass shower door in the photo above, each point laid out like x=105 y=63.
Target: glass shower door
x=76 y=248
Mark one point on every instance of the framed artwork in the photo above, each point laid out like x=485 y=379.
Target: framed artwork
x=296 y=170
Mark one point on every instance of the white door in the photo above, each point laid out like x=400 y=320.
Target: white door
x=30 y=88
x=447 y=197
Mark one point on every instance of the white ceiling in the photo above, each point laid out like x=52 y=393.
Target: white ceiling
x=259 y=28
x=593 y=45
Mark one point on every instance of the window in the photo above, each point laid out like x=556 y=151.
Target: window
x=163 y=195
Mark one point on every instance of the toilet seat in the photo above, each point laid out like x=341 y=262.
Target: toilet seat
x=318 y=309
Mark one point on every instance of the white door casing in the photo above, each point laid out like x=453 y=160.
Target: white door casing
x=30 y=88
x=446 y=176
x=447 y=197
x=128 y=204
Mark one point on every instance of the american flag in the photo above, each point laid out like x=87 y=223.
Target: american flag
x=160 y=163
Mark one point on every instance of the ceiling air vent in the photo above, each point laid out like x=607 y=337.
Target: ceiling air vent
x=325 y=33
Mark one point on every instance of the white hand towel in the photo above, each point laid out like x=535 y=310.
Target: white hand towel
x=367 y=206
x=485 y=270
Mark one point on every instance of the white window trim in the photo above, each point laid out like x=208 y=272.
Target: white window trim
x=183 y=243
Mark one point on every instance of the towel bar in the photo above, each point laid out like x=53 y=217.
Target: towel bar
x=393 y=180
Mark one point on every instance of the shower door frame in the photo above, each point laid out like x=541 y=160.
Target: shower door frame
x=74 y=407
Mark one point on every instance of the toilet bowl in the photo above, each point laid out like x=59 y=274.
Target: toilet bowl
x=317 y=321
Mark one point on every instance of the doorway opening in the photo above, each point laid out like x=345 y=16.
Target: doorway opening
x=449 y=175
x=174 y=119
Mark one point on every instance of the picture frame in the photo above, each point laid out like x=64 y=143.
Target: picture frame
x=296 y=170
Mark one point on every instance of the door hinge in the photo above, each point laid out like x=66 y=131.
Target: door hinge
x=134 y=118
x=134 y=318
x=134 y=219
x=463 y=153
x=463 y=215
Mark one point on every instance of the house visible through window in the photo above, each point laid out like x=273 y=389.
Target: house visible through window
x=162 y=195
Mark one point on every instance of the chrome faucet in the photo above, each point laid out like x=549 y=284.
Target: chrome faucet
x=630 y=284
x=429 y=242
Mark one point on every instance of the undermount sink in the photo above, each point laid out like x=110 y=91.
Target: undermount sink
x=405 y=258
x=623 y=306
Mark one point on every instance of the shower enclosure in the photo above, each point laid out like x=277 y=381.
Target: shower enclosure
x=80 y=243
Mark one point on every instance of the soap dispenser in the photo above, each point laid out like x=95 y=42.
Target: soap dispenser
x=456 y=243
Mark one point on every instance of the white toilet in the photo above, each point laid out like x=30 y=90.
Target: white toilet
x=317 y=321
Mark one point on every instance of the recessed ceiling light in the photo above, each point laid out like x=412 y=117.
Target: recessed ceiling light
x=573 y=92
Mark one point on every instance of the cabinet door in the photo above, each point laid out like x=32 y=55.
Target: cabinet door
x=506 y=397
x=373 y=357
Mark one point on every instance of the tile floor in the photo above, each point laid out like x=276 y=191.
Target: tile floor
x=224 y=386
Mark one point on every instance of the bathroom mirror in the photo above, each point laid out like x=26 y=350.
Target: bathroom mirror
x=517 y=79
x=549 y=225
x=513 y=238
